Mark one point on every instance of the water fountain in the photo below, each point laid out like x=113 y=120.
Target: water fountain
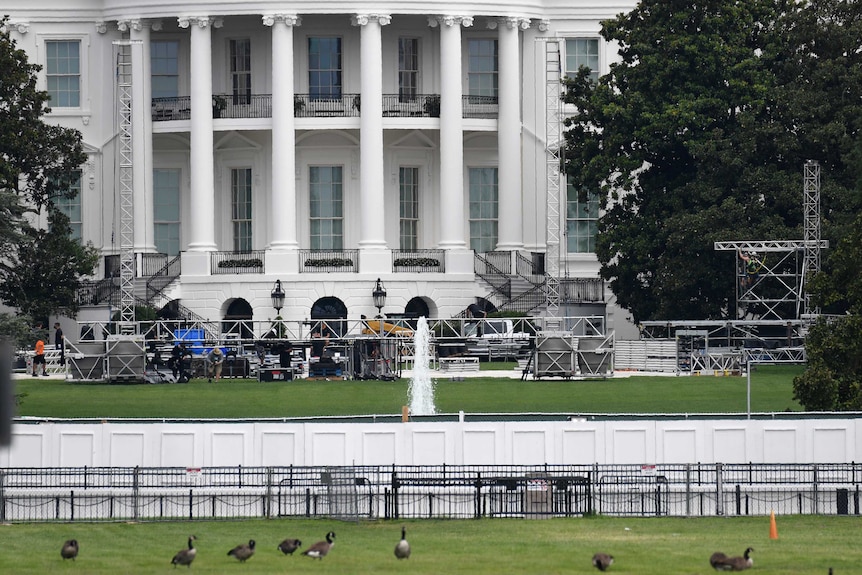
x=420 y=391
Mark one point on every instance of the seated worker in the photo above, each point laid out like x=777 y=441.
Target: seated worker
x=318 y=344
x=215 y=359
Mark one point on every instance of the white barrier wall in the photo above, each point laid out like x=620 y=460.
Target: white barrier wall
x=115 y=444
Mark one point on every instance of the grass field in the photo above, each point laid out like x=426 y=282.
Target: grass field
x=808 y=545
x=772 y=391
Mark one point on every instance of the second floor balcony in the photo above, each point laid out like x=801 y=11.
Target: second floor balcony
x=243 y=106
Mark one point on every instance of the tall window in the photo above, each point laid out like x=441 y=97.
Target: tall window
x=240 y=202
x=240 y=70
x=408 y=183
x=166 y=210
x=71 y=207
x=327 y=214
x=482 y=67
x=483 y=209
x=324 y=68
x=408 y=69
x=582 y=52
x=581 y=222
x=164 y=68
x=63 y=73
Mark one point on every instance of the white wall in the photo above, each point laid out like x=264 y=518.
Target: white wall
x=419 y=443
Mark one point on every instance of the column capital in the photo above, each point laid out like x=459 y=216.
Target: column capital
x=20 y=27
x=465 y=21
x=510 y=22
x=101 y=26
x=286 y=19
x=544 y=25
x=363 y=19
x=199 y=21
x=125 y=25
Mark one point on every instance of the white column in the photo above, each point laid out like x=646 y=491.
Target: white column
x=372 y=206
x=509 y=225
x=282 y=232
x=142 y=137
x=202 y=218
x=451 y=132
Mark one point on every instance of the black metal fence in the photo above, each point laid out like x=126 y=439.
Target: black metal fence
x=152 y=494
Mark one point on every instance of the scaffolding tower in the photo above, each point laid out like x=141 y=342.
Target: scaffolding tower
x=128 y=53
x=811 y=226
x=554 y=188
x=771 y=275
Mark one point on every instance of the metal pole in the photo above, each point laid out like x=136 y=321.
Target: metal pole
x=748 y=389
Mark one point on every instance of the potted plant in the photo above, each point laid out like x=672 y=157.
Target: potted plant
x=432 y=106
x=219 y=104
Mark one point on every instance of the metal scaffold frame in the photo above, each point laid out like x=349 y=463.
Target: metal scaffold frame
x=127 y=53
x=811 y=225
x=554 y=188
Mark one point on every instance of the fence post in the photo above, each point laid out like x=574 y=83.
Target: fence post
x=688 y=490
x=267 y=503
x=478 y=486
x=395 y=511
x=135 y=491
x=816 y=509
x=2 y=496
x=719 y=504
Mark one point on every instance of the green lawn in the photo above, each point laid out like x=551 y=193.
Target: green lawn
x=771 y=392
x=651 y=546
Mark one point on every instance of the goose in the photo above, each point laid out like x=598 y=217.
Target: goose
x=321 y=548
x=717 y=559
x=288 y=546
x=602 y=561
x=402 y=549
x=70 y=549
x=244 y=551
x=725 y=563
x=185 y=556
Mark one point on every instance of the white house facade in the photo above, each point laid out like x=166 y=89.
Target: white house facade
x=326 y=145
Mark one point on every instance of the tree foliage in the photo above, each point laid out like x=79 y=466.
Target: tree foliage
x=833 y=379
x=699 y=134
x=42 y=277
x=39 y=268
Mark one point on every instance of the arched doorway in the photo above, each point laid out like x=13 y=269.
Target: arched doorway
x=417 y=307
x=332 y=310
x=237 y=319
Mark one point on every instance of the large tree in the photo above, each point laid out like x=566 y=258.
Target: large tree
x=833 y=377
x=699 y=134
x=38 y=164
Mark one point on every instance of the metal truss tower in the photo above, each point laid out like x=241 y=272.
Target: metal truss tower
x=811 y=227
x=127 y=53
x=554 y=187
x=771 y=275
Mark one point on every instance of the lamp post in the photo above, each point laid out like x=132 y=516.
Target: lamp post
x=379 y=296
x=277 y=295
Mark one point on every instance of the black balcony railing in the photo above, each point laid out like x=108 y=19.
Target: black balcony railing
x=419 y=261
x=308 y=106
x=165 y=109
x=236 y=262
x=325 y=261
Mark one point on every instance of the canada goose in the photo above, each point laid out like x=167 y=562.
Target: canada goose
x=321 y=548
x=602 y=561
x=402 y=549
x=70 y=549
x=723 y=563
x=244 y=551
x=288 y=546
x=185 y=556
x=717 y=559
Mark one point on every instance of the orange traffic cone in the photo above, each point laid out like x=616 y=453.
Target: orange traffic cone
x=773 y=528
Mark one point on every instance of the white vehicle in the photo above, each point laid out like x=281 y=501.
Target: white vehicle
x=495 y=339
